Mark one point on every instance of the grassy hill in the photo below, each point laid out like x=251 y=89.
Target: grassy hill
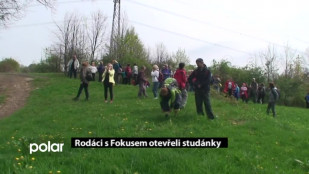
x=258 y=143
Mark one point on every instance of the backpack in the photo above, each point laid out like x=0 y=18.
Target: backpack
x=89 y=76
x=170 y=83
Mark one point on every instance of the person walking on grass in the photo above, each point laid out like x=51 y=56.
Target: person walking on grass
x=273 y=97
x=166 y=72
x=307 y=100
x=261 y=93
x=73 y=65
x=155 y=80
x=254 y=90
x=118 y=70
x=181 y=77
x=135 y=73
x=200 y=78
x=85 y=77
x=229 y=87
x=237 y=91
x=108 y=81
x=141 y=79
x=128 y=73
x=244 y=93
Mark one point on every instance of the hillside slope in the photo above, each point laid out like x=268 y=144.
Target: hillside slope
x=258 y=143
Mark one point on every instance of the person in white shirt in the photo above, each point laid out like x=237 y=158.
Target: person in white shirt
x=72 y=66
x=135 y=72
x=93 y=69
x=155 y=81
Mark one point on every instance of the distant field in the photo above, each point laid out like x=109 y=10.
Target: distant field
x=258 y=143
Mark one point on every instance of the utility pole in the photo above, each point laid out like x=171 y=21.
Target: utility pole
x=115 y=30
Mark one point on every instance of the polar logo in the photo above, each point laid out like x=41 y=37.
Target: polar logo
x=55 y=147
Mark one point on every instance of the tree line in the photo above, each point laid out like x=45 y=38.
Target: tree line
x=89 y=38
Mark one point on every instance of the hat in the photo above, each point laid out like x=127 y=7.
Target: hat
x=199 y=60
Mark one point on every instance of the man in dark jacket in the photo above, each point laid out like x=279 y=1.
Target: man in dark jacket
x=254 y=90
x=85 y=76
x=273 y=97
x=200 y=79
x=101 y=69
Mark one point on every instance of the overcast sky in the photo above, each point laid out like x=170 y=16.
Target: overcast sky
x=234 y=30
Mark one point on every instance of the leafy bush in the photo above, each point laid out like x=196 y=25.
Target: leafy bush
x=292 y=91
x=9 y=65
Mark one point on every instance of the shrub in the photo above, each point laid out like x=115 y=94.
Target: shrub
x=9 y=65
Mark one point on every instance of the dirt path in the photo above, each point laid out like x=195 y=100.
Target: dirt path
x=16 y=89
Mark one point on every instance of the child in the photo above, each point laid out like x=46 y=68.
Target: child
x=170 y=99
x=236 y=93
x=170 y=96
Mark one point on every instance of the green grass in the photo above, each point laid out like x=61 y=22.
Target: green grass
x=257 y=143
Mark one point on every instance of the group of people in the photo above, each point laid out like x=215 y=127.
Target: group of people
x=254 y=90
x=87 y=75
x=125 y=75
x=171 y=88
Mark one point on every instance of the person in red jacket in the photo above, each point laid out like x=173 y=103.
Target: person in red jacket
x=181 y=77
x=229 y=87
x=128 y=72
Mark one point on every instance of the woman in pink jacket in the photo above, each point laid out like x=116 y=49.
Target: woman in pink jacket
x=244 y=92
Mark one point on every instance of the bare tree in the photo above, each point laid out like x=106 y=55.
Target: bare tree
x=71 y=37
x=63 y=38
x=96 y=33
x=269 y=62
x=161 y=55
x=289 y=57
x=11 y=10
x=181 y=56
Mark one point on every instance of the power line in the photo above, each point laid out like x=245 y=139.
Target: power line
x=203 y=22
x=182 y=16
x=189 y=37
x=149 y=26
x=70 y=2
x=188 y=18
